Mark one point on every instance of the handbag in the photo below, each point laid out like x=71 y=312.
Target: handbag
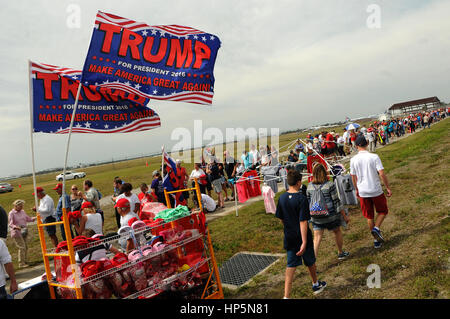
x=24 y=231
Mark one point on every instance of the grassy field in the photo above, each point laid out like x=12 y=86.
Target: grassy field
x=133 y=171
x=415 y=259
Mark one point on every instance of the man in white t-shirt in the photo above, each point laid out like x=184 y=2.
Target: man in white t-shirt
x=346 y=136
x=135 y=203
x=366 y=170
x=6 y=266
x=208 y=203
x=47 y=212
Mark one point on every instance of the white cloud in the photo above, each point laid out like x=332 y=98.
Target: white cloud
x=282 y=64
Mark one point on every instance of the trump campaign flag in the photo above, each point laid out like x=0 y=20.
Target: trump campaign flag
x=166 y=62
x=100 y=110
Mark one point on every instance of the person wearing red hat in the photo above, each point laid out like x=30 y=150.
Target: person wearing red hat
x=124 y=209
x=135 y=203
x=47 y=212
x=59 y=208
x=90 y=219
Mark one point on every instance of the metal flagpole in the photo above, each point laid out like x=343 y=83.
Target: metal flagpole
x=68 y=140
x=162 y=162
x=64 y=208
x=30 y=90
x=38 y=216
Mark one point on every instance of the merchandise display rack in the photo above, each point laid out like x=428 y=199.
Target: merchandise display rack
x=212 y=289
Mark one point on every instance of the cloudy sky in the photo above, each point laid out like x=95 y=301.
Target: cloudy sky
x=284 y=64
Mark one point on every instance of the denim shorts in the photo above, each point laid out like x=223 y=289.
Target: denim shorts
x=330 y=226
x=308 y=257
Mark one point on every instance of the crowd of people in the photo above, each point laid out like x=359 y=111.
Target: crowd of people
x=318 y=203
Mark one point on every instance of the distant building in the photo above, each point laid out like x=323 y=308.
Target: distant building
x=414 y=106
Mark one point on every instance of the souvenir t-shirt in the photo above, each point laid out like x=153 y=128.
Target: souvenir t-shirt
x=252 y=183
x=269 y=202
x=242 y=190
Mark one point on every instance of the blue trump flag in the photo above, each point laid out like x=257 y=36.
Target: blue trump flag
x=99 y=110
x=167 y=62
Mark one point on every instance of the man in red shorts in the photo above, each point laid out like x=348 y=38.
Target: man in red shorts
x=366 y=170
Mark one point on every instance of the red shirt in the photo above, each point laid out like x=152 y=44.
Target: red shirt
x=310 y=161
x=329 y=141
x=252 y=183
x=181 y=174
x=242 y=190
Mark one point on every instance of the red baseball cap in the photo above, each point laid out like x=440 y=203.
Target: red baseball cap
x=58 y=186
x=132 y=220
x=38 y=190
x=86 y=205
x=123 y=203
x=76 y=214
x=119 y=259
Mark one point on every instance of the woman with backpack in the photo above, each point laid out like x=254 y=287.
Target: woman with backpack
x=325 y=209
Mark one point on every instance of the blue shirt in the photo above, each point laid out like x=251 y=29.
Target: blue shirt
x=303 y=158
x=60 y=205
x=293 y=208
x=247 y=159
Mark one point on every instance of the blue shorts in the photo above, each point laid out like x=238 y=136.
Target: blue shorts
x=308 y=257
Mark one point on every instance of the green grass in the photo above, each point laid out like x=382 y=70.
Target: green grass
x=414 y=258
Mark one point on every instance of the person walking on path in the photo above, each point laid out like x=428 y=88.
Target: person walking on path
x=293 y=210
x=18 y=220
x=336 y=214
x=366 y=170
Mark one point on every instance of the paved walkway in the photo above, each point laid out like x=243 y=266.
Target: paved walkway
x=23 y=275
